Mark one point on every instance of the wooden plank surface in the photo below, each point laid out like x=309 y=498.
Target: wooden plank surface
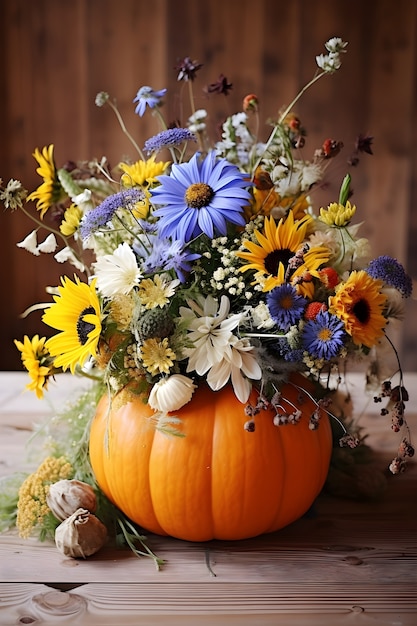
x=55 y=56
x=345 y=562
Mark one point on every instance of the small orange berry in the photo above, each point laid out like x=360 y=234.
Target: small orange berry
x=313 y=309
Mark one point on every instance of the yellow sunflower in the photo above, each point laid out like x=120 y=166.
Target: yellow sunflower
x=71 y=221
x=142 y=172
x=76 y=313
x=359 y=303
x=49 y=192
x=37 y=360
x=277 y=246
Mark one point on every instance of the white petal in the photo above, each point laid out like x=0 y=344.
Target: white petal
x=30 y=243
x=49 y=245
x=170 y=394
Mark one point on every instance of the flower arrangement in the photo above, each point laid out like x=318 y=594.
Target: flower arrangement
x=205 y=261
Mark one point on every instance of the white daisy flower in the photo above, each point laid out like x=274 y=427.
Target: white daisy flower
x=117 y=273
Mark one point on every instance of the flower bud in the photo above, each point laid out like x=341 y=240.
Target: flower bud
x=66 y=496
x=80 y=535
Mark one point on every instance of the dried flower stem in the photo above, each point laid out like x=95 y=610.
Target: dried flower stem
x=124 y=129
x=131 y=535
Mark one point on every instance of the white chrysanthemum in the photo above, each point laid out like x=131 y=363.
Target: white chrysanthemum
x=238 y=364
x=170 y=394
x=261 y=316
x=117 y=273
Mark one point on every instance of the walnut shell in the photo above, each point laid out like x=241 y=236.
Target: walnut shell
x=66 y=496
x=80 y=535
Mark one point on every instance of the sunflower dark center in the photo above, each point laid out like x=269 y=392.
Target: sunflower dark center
x=361 y=310
x=198 y=195
x=83 y=327
x=274 y=258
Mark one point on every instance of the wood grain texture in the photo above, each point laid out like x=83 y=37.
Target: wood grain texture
x=346 y=562
x=56 y=56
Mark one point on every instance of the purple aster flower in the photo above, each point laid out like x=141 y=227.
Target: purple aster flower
x=167 y=138
x=169 y=255
x=103 y=213
x=286 y=306
x=323 y=336
x=200 y=196
x=392 y=273
x=147 y=96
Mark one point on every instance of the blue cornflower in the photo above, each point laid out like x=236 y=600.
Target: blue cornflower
x=200 y=196
x=147 y=96
x=103 y=213
x=323 y=336
x=285 y=305
x=392 y=273
x=167 y=138
x=169 y=255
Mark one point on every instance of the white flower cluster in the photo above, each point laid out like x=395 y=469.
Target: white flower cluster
x=331 y=62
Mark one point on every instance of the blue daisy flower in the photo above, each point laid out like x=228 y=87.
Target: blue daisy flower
x=200 y=196
x=323 y=336
x=286 y=306
x=392 y=273
x=148 y=96
x=169 y=255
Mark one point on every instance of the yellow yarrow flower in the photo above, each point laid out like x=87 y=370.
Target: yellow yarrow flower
x=71 y=221
x=142 y=173
x=157 y=357
x=32 y=507
x=337 y=214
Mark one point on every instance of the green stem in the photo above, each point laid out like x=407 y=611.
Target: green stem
x=131 y=535
x=52 y=230
x=284 y=115
x=124 y=129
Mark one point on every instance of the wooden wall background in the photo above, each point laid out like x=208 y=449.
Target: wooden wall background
x=56 y=55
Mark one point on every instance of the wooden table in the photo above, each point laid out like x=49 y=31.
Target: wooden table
x=350 y=562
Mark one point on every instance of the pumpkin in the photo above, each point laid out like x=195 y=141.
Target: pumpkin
x=217 y=481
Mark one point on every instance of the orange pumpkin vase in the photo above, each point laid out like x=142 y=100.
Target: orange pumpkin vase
x=216 y=480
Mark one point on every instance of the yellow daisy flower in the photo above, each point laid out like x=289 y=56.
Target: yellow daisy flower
x=359 y=304
x=76 y=313
x=49 y=192
x=157 y=357
x=71 y=221
x=277 y=245
x=155 y=292
x=37 y=361
x=142 y=172
x=337 y=214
